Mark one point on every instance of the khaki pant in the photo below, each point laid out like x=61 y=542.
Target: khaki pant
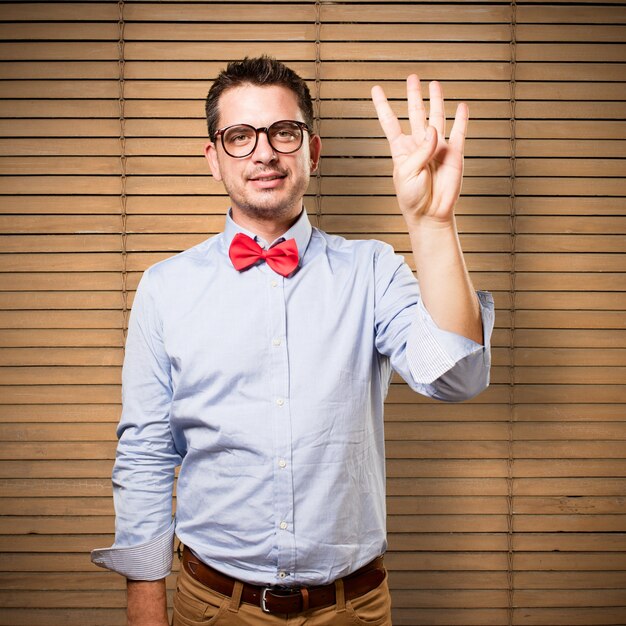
x=197 y=605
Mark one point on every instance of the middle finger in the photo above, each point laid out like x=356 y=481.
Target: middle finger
x=417 y=111
x=437 y=116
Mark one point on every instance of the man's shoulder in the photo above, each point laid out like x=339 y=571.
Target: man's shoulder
x=196 y=257
x=354 y=246
x=349 y=243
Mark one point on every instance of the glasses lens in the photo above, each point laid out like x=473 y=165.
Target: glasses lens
x=285 y=136
x=239 y=140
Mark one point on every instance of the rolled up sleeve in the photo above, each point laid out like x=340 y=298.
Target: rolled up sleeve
x=433 y=362
x=143 y=474
x=151 y=560
x=453 y=367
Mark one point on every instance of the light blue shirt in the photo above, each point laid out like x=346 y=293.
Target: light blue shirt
x=268 y=392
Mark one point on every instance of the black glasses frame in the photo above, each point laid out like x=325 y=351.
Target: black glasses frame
x=263 y=129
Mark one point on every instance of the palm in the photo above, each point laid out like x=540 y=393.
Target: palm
x=427 y=172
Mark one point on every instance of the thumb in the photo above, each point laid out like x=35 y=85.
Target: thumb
x=429 y=145
x=418 y=160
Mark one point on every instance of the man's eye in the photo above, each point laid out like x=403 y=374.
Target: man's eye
x=240 y=138
x=284 y=134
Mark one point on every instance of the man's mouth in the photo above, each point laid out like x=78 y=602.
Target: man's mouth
x=267 y=180
x=267 y=177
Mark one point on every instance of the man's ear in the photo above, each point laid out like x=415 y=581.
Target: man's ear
x=315 y=150
x=210 y=154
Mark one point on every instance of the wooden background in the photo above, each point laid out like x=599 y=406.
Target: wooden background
x=509 y=509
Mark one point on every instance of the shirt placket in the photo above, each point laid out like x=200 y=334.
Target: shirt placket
x=281 y=418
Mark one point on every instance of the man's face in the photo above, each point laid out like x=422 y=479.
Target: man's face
x=265 y=185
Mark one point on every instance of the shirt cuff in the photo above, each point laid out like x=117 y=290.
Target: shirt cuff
x=431 y=351
x=151 y=560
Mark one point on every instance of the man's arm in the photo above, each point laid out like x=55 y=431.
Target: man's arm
x=143 y=474
x=147 y=603
x=427 y=175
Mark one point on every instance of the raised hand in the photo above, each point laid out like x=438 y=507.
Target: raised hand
x=427 y=169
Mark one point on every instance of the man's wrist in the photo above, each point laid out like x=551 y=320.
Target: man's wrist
x=147 y=603
x=428 y=223
x=432 y=235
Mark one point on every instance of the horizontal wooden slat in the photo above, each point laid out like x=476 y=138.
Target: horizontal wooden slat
x=58 y=51
x=62 y=338
x=587 y=52
x=219 y=12
x=570 y=32
x=59 y=31
x=572 y=505
x=70 y=394
x=569 y=393
x=569 y=90
x=84 y=357
x=69 y=617
x=227 y=50
x=85 y=375
x=568 y=449
x=567 y=412
x=569 y=467
x=90 y=413
x=573 y=15
x=54 y=469
x=570 y=300
x=406 y=14
x=60 y=319
x=215 y=31
x=66 y=88
x=61 y=487
x=569 y=72
x=58 y=11
x=59 y=108
x=572 y=357
x=71 y=300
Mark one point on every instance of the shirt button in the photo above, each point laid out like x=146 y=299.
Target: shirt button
x=280 y=402
x=282 y=574
x=282 y=463
x=283 y=525
x=276 y=342
x=274 y=283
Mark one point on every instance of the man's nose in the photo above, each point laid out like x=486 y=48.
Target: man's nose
x=263 y=151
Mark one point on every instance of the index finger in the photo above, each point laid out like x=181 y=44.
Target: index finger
x=387 y=118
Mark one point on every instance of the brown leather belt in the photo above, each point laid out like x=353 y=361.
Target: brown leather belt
x=286 y=600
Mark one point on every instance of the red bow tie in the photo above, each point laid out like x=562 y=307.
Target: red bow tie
x=245 y=252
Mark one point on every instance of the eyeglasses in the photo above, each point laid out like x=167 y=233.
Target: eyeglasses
x=240 y=140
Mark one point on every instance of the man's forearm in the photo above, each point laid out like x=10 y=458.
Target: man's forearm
x=147 y=603
x=445 y=284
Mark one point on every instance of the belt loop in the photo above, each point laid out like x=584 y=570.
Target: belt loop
x=340 y=596
x=304 y=592
x=235 y=599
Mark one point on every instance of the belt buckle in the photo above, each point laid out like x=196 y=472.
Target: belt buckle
x=264 y=599
x=278 y=590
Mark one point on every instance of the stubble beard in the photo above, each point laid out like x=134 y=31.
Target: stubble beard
x=267 y=205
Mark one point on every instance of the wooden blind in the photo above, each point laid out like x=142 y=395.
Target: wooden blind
x=508 y=509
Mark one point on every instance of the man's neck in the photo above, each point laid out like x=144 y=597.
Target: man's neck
x=268 y=230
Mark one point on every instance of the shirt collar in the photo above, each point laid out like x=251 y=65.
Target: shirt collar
x=300 y=231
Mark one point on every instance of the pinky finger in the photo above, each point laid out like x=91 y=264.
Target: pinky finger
x=459 y=128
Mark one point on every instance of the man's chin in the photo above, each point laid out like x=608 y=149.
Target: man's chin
x=266 y=207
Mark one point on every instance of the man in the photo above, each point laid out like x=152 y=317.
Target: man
x=259 y=361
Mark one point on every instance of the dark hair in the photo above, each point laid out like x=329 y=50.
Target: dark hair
x=261 y=71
